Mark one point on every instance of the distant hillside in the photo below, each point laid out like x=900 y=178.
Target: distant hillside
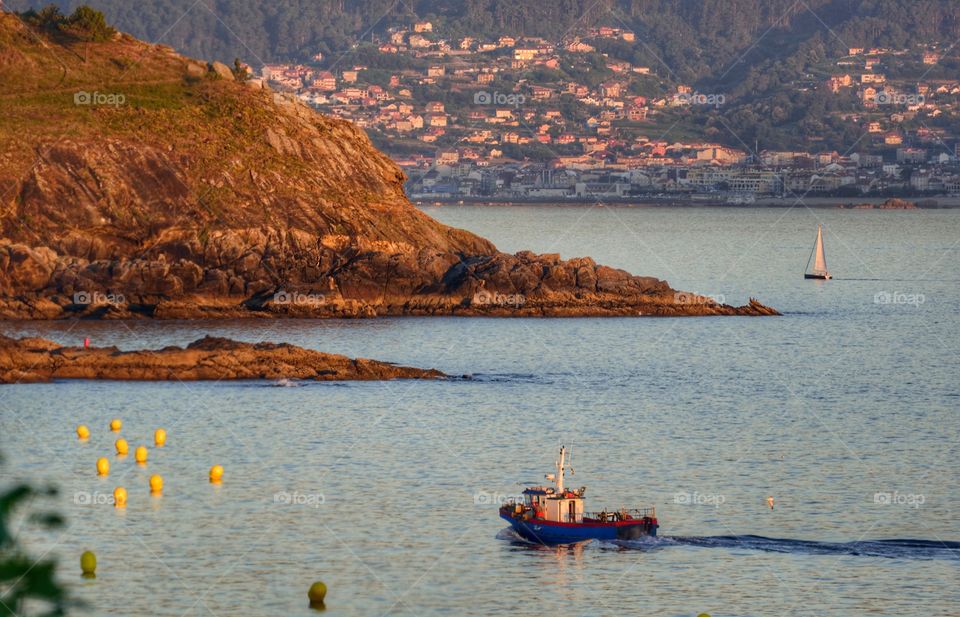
x=753 y=51
x=696 y=39
x=135 y=181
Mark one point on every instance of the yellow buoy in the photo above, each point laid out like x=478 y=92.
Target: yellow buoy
x=122 y=447
x=120 y=497
x=156 y=484
x=103 y=466
x=216 y=473
x=140 y=454
x=159 y=437
x=88 y=564
x=316 y=593
x=83 y=432
x=116 y=425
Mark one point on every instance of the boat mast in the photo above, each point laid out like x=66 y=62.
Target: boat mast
x=560 y=466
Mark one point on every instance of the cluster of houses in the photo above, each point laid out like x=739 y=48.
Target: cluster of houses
x=492 y=104
x=889 y=103
x=493 y=113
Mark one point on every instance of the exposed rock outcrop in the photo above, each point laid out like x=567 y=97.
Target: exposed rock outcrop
x=894 y=203
x=163 y=192
x=30 y=360
x=221 y=70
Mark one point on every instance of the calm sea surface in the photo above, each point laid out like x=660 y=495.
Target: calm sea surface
x=845 y=410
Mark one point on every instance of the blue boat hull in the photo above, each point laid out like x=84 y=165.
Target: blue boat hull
x=547 y=532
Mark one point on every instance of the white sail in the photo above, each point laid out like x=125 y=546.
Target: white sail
x=819 y=260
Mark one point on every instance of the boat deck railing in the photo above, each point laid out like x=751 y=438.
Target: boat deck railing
x=622 y=514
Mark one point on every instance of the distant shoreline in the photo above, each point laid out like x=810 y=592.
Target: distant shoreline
x=847 y=203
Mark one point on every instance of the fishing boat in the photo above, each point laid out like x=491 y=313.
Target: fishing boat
x=555 y=514
x=819 y=260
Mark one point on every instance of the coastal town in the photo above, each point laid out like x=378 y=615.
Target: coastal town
x=473 y=119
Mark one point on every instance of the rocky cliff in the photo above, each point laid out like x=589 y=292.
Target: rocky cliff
x=137 y=182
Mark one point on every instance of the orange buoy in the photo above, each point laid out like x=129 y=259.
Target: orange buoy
x=216 y=474
x=156 y=484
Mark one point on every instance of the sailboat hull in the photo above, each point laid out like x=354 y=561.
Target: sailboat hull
x=822 y=277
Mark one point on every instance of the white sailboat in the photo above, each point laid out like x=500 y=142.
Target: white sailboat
x=819 y=260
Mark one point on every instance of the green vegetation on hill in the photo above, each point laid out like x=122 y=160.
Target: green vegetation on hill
x=85 y=23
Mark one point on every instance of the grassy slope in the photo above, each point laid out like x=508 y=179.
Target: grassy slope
x=213 y=120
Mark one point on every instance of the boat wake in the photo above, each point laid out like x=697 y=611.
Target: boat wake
x=893 y=549
x=505 y=378
x=890 y=549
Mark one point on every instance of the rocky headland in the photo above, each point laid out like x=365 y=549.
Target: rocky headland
x=138 y=183
x=30 y=360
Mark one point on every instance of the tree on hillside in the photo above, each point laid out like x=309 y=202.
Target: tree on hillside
x=240 y=71
x=49 y=17
x=84 y=23
x=88 y=24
